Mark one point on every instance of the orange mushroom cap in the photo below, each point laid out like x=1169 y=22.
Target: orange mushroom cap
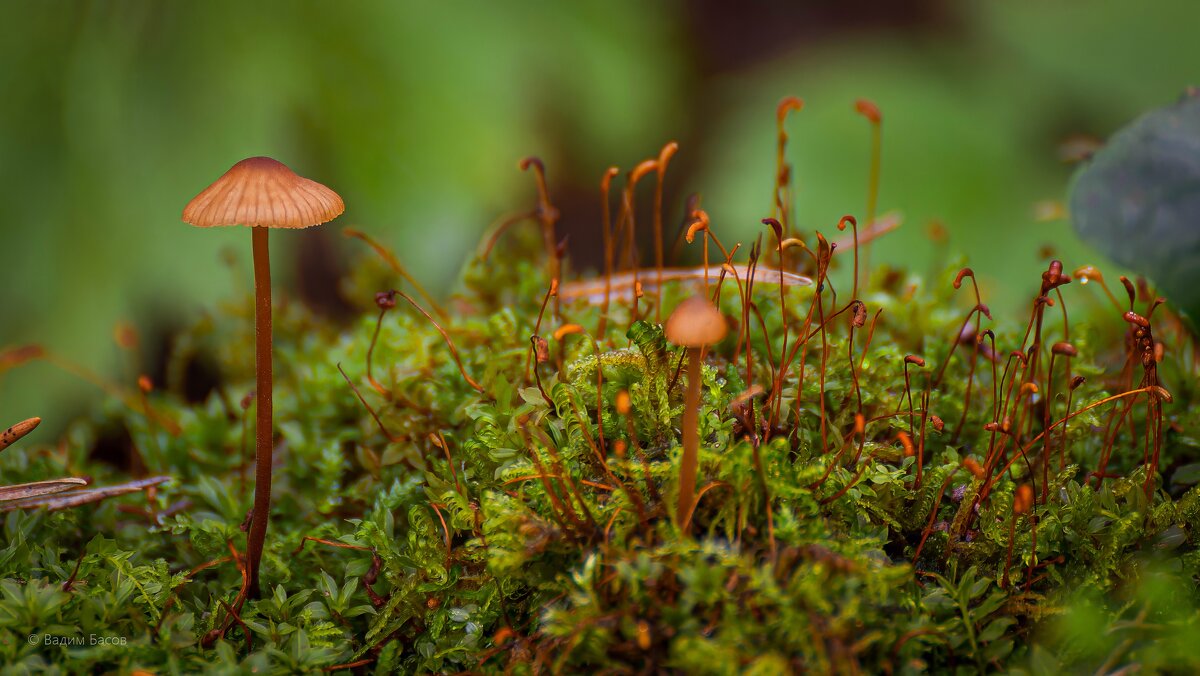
x=260 y=191
x=696 y=322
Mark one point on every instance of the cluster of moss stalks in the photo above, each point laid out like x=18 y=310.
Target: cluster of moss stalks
x=889 y=481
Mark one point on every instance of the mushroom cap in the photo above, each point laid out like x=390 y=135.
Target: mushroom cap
x=696 y=322
x=260 y=191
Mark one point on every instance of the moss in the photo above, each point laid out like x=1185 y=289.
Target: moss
x=452 y=530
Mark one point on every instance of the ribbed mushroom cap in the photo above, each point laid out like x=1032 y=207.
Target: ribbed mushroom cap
x=696 y=322
x=260 y=191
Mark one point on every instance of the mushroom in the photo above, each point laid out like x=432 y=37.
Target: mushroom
x=695 y=324
x=262 y=193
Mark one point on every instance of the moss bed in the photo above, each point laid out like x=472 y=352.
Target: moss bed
x=889 y=483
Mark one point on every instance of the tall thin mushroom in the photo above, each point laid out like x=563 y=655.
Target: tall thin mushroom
x=262 y=193
x=695 y=324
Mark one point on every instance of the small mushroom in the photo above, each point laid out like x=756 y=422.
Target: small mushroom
x=262 y=193
x=695 y=324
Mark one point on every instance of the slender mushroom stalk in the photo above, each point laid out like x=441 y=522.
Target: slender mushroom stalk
x=262 y=193
x=695 y=324
x=264 y=428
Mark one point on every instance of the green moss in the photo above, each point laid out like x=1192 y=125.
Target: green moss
x=524 y=545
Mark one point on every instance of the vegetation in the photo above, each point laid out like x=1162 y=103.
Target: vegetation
x=889 y=480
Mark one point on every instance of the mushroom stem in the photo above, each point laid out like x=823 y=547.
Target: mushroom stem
x=263 y=428
x=691 y=441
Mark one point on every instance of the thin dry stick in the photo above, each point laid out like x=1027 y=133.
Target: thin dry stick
x=690 y=205
x=349 y=665
x=857 y=320
x=841 y=225
x=871 y=111
x=592 y=290
x=39 y=488
x=700 y=493
x=237 y=618
x=870 y=334
x=853 y=482
x=585 y=482
x=445 y=529
x=606 y=230
x=566 y=477
x=859 y=430
x=82 y=497
x=394 y=263
x=802 y=344
x=1088 y=273
x=921 y=440
x=664 y=157
x=700 y=223
x=382 y=428
x=21 y=355
x=826 y=254
x=744 y=328
x=933 y=515
x=449 y=343
x=500 y=226
x=561 y=513
x=13 y=357
x=548 y=215
x=628 y=218
x=781 y=371
x=385 y=304
x=537 y=329
x=1152 y=390
x=910 y=359
x=783 y=174
x=440 y=441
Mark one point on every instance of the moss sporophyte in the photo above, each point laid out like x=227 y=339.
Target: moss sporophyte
x=769 y=458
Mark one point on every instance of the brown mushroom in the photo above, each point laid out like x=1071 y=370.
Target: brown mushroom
x=262 y=193
x=695 y=324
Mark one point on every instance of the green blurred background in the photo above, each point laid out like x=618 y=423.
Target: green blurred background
x=116 y=113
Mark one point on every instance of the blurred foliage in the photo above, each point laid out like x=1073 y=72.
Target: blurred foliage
x=121 y=111
x=1138 y=199
x=415 y=112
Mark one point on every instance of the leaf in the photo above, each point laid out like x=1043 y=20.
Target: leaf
x=996 y=628
x=389 y=619
x=1042 y=662
x=1187 y=475
x=1138 y=199
x=991 y=604
x=978 y=587
x=999 y=649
